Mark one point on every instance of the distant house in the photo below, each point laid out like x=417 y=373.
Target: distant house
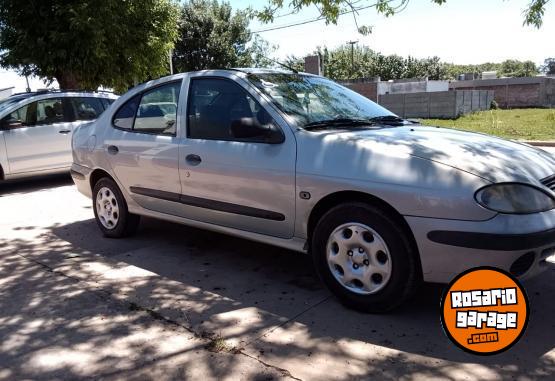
x=6 y=92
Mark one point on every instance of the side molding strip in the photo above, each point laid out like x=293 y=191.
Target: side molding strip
x=209 y=204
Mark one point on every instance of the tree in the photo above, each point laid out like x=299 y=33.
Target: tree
x=515 y=68
x=261 y=50
x=86 y=43
x=548 y=66
x=330 y=10
x=212 y=36
x=368 y=63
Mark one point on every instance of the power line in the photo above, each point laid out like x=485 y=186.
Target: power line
x=319 y=18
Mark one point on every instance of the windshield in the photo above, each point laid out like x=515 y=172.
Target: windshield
x=7 y=102
x=310 y=100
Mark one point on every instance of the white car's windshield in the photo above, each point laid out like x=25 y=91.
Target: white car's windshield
x=7 y=102
x=311 y=100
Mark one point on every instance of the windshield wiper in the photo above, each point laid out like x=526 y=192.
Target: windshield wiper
x=338 y=122
x=388 y=119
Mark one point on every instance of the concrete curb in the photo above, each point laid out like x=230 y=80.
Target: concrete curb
x=540 y=143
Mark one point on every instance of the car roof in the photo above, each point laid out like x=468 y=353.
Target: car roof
x=101 y=94
x=19 y=99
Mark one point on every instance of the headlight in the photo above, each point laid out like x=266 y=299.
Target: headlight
x=514 y=198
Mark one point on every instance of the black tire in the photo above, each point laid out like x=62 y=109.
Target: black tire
x=127 y=223
x=405 y=275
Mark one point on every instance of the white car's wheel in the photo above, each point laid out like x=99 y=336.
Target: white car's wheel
x=365 y=257
x=110 y=210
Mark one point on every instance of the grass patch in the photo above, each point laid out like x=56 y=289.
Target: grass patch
x=218 y=344
x=521 y=124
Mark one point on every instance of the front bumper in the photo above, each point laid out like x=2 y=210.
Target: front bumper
x=81 y=178
x=519 y=244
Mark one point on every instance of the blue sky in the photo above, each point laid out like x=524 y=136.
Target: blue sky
x=460 y=31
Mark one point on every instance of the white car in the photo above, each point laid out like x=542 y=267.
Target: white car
x=36 y=128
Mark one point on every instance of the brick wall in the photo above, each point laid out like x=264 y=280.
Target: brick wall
x=514 y=92
x=368 y=89
x=440 y=104
x=312 y=65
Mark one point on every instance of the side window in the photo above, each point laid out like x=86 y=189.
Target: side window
x=106 y=102
x=22 y=117
x=216 y=104
x=50 y=111
x=126 y=114
x=87 y=108
x=157 y=111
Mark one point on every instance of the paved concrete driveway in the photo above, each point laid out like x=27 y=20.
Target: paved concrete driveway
x=176 y=303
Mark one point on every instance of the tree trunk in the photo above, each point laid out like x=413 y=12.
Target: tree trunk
x=67 y=81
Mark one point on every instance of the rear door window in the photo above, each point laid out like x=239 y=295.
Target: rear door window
x=106 y=102
x=87 y=108
x=125 y=116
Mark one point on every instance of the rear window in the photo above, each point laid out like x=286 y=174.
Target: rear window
x=87 y=108
x=125 y=116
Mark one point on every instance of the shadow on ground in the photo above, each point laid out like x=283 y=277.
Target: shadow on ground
x=34 y=184
x=266 y=301
x=225 y=274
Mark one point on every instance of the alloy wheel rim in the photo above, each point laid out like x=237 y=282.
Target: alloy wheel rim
x=359 y=258
x=107 y=208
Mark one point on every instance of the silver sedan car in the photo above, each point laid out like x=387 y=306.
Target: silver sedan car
x=298 y=161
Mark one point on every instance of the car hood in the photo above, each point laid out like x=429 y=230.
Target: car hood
x=489 y=157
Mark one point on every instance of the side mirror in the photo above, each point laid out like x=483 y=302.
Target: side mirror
x=11 y=124
x=250 y=128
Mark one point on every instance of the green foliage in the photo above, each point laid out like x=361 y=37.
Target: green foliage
x=330 y=10
x=508 y=68
x=548 y=66
x=294 y=62
x=533 y=15
x=368 y=63
x=85 y=43
x=212 y=36
x=260 y=51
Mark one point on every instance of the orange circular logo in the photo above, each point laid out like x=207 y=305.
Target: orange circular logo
x=484 y=311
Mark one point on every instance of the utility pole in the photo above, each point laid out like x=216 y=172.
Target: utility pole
x=352 y=43
x=170 y=54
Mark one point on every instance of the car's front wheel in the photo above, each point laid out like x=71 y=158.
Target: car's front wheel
x=110 y=210
x=365 y=257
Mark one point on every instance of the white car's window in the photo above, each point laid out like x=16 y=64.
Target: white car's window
x=214 y=104
x=19 y=117
x=50 y=111
x=87 y=108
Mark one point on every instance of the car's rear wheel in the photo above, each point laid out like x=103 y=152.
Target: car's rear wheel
x=365 y=257
x=110 y=210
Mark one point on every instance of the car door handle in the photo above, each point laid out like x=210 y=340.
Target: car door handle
x=193 y=159
x=112 y=150
x=65 y=132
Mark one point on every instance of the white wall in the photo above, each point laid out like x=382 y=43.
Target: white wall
x=5 y=93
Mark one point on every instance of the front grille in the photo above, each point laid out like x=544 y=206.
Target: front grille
x=549 y=182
